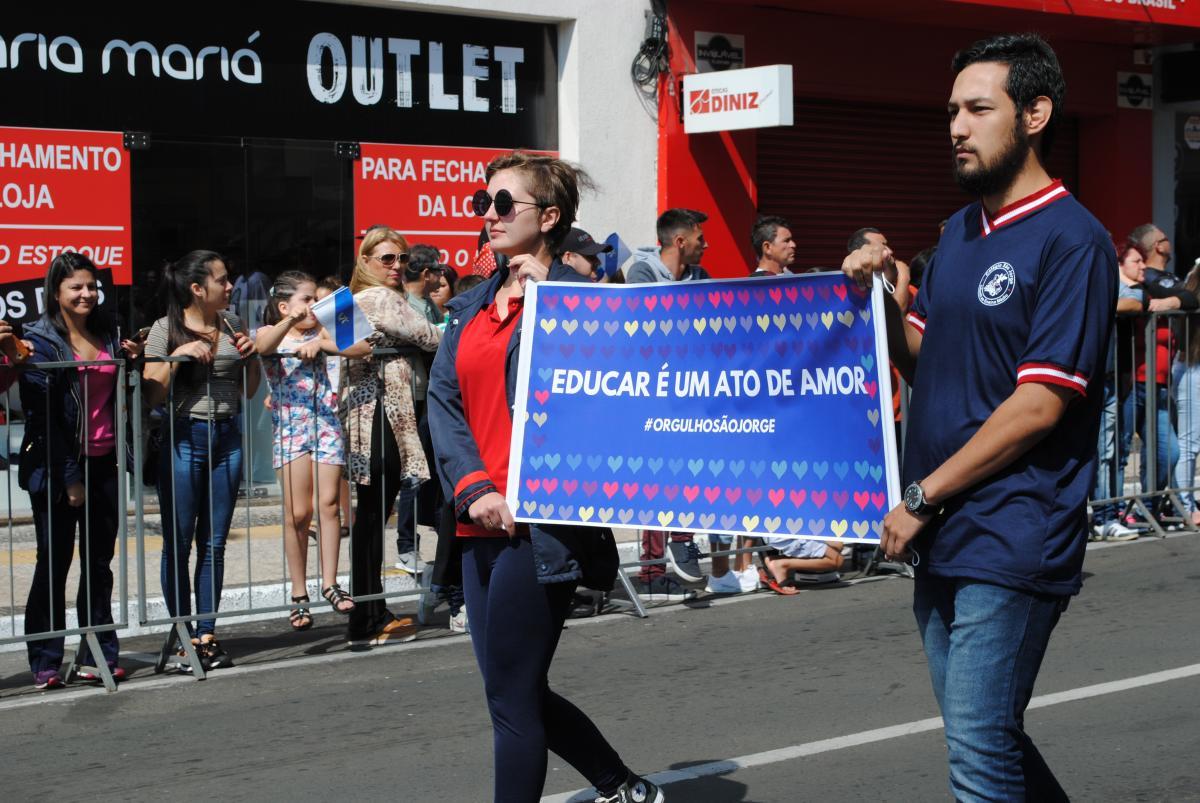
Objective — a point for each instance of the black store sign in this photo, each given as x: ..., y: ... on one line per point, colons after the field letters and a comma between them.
x: 297, y: 70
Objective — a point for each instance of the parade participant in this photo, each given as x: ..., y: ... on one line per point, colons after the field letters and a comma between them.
x: 201, y: 467
x: 773, y: 244
x: 379, y: 423
x: 1010, y: 327
x: 308, y: 437
x: 582, y: 253
x: 69, y: 465
x: 519, y: 580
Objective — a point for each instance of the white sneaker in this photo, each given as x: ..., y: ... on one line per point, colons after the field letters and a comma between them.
x: 409, y: 562
x: 458, y: 622
x: 727, y: 583
x: 748, y: 579
x: 1116, y: 531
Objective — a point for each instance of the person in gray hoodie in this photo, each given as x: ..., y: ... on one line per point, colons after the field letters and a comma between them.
x: 676, y: 259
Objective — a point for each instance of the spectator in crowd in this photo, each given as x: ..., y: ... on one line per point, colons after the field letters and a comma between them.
x: 1154, y: 245
x: 200, y: 468
x: 308, y: 437
x: 1146, y: 290
x: 793, y: 561
x: 773, y: 245
x: 900, y: 290
x: 916, y: 268
x: 421, y: 278
x: 469, y: 282
x: 518, y: 603
x: 582, y: 254
x: 379, y: 422
x: 69, y: 464
x: 1004, y: 347
x: 328, y: 285
x: 676, y: 259
x: 1187, y: 403
x: 444, y: 291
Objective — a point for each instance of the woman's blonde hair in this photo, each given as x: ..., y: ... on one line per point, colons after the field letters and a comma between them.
x: 363, y: 277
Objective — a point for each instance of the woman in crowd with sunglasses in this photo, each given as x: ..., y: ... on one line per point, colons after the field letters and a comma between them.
x: 380, y: 425
x: 517, y: 605
x: 201, y: 464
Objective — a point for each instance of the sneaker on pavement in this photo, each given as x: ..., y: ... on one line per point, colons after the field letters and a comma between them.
x: 1096, y: 533
x: 408, y: 562
x: 214, y: 655
x: 48, y: 679
x: 747, y: 579
x: 635, y: 790
x: 684, y: 558
x: 663, y: 589
x: 458, y: 622
x: 728, y: 583
x: 1116, y: 531
x: 118, y: 674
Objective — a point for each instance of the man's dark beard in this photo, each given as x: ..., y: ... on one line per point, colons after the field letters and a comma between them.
x: 995, y: 178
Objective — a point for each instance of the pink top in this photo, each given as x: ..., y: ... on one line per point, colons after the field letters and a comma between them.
x: 97, y: 384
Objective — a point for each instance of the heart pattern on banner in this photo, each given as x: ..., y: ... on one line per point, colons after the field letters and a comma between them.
x: 602, y: 460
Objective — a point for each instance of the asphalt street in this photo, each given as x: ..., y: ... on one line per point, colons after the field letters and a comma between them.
x: 821, y: 696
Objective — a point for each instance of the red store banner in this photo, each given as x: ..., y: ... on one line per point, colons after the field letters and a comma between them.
x: 1162, y: 12
x: 60, y: 191
x: 424, y: 192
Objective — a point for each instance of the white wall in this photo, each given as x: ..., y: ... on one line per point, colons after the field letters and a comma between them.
x: 602, y: 123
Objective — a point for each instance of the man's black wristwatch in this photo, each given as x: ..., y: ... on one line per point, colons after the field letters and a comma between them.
x: 914, y: 501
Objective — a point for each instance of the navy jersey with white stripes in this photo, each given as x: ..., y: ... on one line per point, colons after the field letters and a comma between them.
x: 1027, y: 296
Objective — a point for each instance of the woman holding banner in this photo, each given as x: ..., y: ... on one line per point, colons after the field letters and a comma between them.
x: 519, y: 580
x: 69, y: 464
x: 380, y: 424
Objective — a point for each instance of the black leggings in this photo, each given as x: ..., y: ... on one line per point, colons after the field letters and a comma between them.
x: 515, y: 626
x: 370, y: 518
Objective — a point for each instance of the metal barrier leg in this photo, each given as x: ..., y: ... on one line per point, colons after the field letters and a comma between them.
x: 99, y: 666
x: 178, y: 635
x: 634, y: 600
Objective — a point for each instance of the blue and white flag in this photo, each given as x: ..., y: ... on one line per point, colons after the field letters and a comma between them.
x: 342, y: 318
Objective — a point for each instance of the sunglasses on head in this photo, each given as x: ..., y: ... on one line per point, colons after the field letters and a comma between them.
x: 481, y: 202
x: 391, y: 259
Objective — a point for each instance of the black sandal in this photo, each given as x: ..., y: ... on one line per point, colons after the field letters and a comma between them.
x: 301, y: 617
x: 336, y: 596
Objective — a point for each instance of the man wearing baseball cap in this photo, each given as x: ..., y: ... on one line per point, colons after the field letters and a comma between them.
x: 581, y: 252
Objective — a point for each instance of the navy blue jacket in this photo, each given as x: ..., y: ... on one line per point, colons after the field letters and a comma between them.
x: 561, y: 553
x: 51, y: 400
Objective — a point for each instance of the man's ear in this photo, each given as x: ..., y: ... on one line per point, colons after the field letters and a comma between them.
x: 1037, y: 115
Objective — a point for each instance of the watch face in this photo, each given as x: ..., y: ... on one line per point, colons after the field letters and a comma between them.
x: 913, y: 497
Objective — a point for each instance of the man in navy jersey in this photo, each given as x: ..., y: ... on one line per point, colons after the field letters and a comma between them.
x: 1004, y: 348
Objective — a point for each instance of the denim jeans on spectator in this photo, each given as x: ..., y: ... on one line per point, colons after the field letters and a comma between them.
x: 406, y: 520
x: 1107, y: 471
x: 1187, y: 406
x: 56, y: 526
x: 198, y: 479
x: 1133, y: 419
x: 985, y: 645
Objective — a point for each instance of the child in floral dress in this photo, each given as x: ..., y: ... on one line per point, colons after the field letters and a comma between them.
x: 308, y: 436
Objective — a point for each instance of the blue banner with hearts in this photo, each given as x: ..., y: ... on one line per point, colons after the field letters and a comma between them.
x: 757, y: 406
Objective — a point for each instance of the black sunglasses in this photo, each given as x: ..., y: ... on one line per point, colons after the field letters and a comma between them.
x: 390, y: 259
x: 481, y: 202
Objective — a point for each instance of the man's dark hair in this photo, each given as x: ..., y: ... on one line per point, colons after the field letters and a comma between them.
x: 1143, y: 236
x: 859, y: 238
x: 1033, y: 71
x: 764, y: 231
x: 918, y: 264
x: 675, y: 221
x: 421, y: 257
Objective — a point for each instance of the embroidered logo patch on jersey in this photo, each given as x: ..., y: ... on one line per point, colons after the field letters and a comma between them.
x: 997, y: 284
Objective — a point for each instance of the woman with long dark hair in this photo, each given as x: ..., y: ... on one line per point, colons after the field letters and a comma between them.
x: 69, y: 464
x: 201, y: 463
x: 517, y: 605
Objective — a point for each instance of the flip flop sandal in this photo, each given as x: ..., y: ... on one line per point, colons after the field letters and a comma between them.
x: 301, y: 616
x: 337, y: 598
x: 770, y: 582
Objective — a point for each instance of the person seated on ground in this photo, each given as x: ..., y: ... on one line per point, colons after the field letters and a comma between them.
x: 800, y: 560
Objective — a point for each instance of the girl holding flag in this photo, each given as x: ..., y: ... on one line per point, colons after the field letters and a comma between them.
x: 307, y: 430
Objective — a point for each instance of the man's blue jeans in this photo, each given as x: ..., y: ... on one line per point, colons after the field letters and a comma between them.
x: 195, y: 489
x: 1109, y: 470
x: 1133, y: 419
x: 985, y: 644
